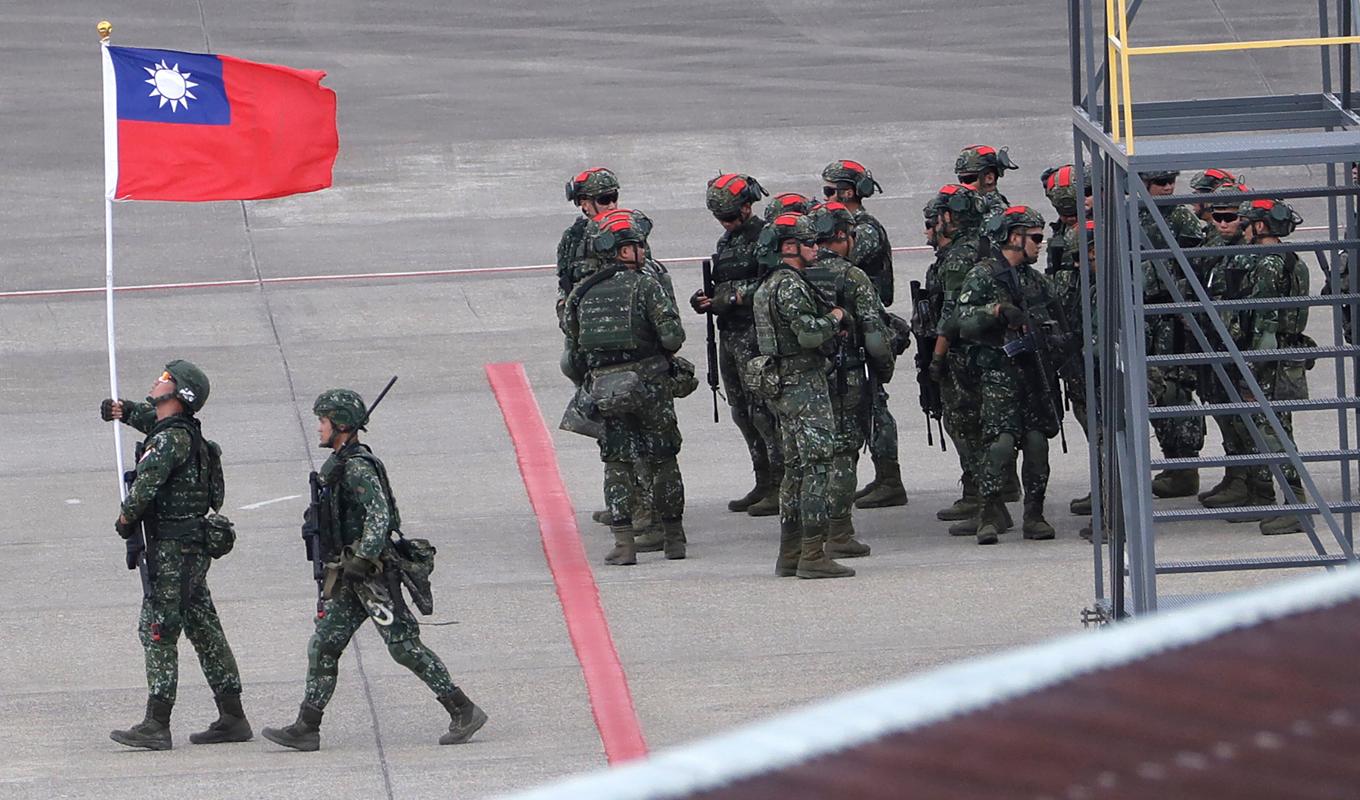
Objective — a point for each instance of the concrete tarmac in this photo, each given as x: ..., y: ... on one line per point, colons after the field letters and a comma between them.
x: 458, y: 124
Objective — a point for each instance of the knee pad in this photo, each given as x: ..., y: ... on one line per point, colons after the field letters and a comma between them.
x: 408, y: 652
x: 321, y: 658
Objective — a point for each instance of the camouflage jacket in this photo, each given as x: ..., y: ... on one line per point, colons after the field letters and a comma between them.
x: 573, y: 263
x: 872, y: 253
x: 791, y: 319
x: 169, y: 472
x: 846, y: 286
x: 736, y: 274
x: 1277, y: 275
x: 945, y: 277
x: 996, y: 203
x: 1189, y: 232
x: 620, y: 315
x: 362, y: 506
x: 991, y: 283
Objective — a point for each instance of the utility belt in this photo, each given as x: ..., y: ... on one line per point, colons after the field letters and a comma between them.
x: 737, y: 318
x: 176, y: 528
x: 649, y: 367
x: 802, y: 362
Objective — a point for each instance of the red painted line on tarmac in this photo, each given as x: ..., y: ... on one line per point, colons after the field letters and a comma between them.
x: 611, y: 702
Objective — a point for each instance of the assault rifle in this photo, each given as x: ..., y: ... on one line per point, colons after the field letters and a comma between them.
x: 1035, y: 340
x: 932, y: 404
x: 710, y: 336
x: 137, y: 544
x: 318, y: 527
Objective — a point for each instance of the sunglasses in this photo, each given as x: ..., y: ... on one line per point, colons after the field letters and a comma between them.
x: 1037, y: 238
x: 969, y: 178
x: 830, y: 191
x: 1225, y: 217
x: 606, y: 199
x: 1164, y: 182
x: 732, y: 217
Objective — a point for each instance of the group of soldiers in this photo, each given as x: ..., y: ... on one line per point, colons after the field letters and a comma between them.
x: 170, y: 521
x: 805, y: 344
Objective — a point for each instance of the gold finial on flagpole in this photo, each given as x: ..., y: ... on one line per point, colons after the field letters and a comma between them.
x: 105, y: 28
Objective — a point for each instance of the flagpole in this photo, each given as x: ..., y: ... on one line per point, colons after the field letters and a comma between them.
x: 105, y: 28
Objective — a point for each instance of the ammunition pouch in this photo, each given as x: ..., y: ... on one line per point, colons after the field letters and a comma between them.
x: 762, y: 377
x: 684, y: 377
x: 219, y: 535
x: 899, y: 333
x: 413, y: 561
x: 617, y: 392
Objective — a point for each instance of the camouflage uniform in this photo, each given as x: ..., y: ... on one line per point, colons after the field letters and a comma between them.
x: 621, y: 320
x: 170, y: 493
x: 863, y: 343
x: 735, y: 277
x: 1179, y: 437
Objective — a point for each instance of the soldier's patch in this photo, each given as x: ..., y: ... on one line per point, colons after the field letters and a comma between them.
x: 146, y: 453
x: 965, y: 296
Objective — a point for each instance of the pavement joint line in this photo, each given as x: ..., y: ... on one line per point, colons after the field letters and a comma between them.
x: 358, y: 276
x: 611, y: 702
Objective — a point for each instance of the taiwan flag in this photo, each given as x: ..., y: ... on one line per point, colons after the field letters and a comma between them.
x: 197, y: 126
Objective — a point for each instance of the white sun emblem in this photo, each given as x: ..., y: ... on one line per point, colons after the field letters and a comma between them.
x: 170, y: 85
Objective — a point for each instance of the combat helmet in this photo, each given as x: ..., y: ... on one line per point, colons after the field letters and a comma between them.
x: 1224, y: 196
x: 978, y: 158
x: 1060, y: 185
x: 591, y: 183
x: 825, y: 220
x: 853, y: 173
x: 961, y: 201
x: 788, y: 201
x: 1072, y: 241
x: 1211, y: 180
x: 191, y: 384
x: 999, y: 226
x: 728, y: 192
x: 343, y: 407
x: 1160, y: 175
x: 1279, y: 217
x: 617, y: 228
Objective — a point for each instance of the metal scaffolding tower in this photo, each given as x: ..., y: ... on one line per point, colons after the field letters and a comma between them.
x: 1320, y: 128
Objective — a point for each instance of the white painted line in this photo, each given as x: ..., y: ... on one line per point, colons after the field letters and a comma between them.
x: 72, y: 501
x: 264, y: 503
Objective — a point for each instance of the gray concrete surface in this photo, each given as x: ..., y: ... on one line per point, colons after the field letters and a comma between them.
x: 458, y: 126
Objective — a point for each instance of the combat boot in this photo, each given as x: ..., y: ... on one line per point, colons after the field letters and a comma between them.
x: 674, y: 539
x: 991, y: 522
x: 153, y: 732
x: 758, y: 492
x: 867, y: 488
x: 969, y: 526
x: 1260, y: 492
x: 1088, y: 533
x: 813, y: 561
x: 1034, y: 525
x: 1176, y: 483
x: 1080, y: 506
x: 841, y: 541
x: 230, y: 725
x: 1233, y: 493
x: 304, y: 734
x: 602, y: 517
x: 768, y: 505
x: 889, y: 491
x: 649, y: 540
x: 790, y: 549
x: 465, y: 718
x: 625, y: 550
x: 966, y: 507
x: 1010, y: 490
x: 1285, y: 523
x: 1230, y: 476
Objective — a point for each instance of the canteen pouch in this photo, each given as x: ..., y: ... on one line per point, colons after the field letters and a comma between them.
x: 219, y: 535
x: 762, y: 377
x: 616, y: 393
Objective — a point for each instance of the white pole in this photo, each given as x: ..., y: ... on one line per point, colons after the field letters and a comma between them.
x: 110, y: 184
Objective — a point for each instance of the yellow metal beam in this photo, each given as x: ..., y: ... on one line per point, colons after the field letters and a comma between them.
x: 1111, y: 78
x: 1124, y: 68
x: 1220, y: 47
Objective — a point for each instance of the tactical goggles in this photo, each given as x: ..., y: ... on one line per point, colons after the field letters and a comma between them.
x: 729, y: 217
x: 1225, y: 216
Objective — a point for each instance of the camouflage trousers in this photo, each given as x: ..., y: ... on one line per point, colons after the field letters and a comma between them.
x: 883, y: 444
x: 344, y: 614
x: 849, y: 410
x: 180, y: 601
x: 1281, y: 380
x: 1179, y: 437
x: 754, y: 417
x: 809, y: 438
x: 640, y: 447
x: 1013, y: 417
x: 961, y: 406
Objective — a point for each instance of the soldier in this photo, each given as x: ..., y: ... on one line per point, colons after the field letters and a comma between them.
x: 179, y: 480
x: 1060, y: 188
x: 956, y: 211
x: 849, y: 183
x: 1066, y: 283
x: 793, y: 329
x: 594, y: 191
x: 622, y: 329
x: 980, y: 167
x: 1275, y: 275
x: 786, y: 203
x: 1179, y: 437
x: 1006, y: 307
x: 1208, y: 181
x: 363, y: 580
x: 730, y: 198
x: 1339, y: 273
x: 863, y: 341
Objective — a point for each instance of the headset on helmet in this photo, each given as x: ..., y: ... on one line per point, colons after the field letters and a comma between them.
x: 828, y: 219
x: 1061, y: 190
x: 783, y: 227
x: 591, y: 183
x: 786, y: 202
x: 616, y: 228
x: 191, y: 384
x: 730, y: 191
x: 1279, y: 217
x: 999, y: 226
x: 853, y: 173
x: 978, y: 158
x: 961, y: 201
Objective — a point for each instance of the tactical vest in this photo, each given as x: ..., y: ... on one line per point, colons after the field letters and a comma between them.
x: 773, y: 336
x: 185, y: 497
x: 1291, y: 322
x: 347, y: 512
x: 610, y: 318
x: 880, y: 267
x: 569, y: 251
x: 735, y: 259
x: 1057, y: 247
x: 829, y: 275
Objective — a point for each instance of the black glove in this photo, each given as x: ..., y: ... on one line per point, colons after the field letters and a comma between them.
x: 1012, y: 314
x: 695, y: 301
x: 938, y: 367
x: 106, y: 410
x: 134, y: 552
x: 125, y: 530
x: 357, y: 568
